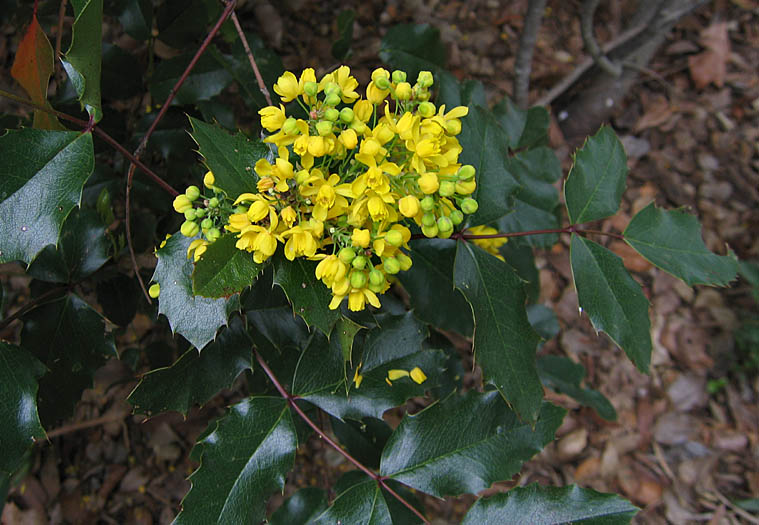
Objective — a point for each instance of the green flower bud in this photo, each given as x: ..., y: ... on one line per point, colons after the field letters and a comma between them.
x: 213, y: 234
x: 332, y: 100
x: 425, y: 79
x: 399, y: 76
x: 426, y: 109
x: 376, y: 278
x: 358, y: 279
x: 428, y: 203
x: 428, y: 219
x: 447, y: 188
x: 189, y: 214
x: 331, y: 114
x: 200, y: 213
x: 311, y: 88
x: 206, y: 224
x: 358, y: 126
x: 154, y: 291
x: 181, y: 203
x: 394, y: 238
x: 346, y: 255
x: 290, y: 127
x: 444, y: 234
x: 346, y: 115
x: 382, y: 83
x: 430, y: 231
x: 403, y: 91
x: 422, y: 96
x: 359, y: 263
x: 332, y: 88
x: 404, y: 260
x: 466, y: 172
x: 213, y: 202
x: 189, y: 228
x: 453, y: 127
x: 192, y: 192
x: 469, y: 205
x: 324, y: 128
x: 241, y: 209
x: 391, y: 265
x: 456, y: 217
x: 444, y: 224
x: 376, y: 288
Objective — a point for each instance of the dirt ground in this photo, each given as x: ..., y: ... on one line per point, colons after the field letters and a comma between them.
x: 685, y: 446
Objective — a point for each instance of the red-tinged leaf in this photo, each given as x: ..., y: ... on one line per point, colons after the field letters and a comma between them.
x: 32, y: 68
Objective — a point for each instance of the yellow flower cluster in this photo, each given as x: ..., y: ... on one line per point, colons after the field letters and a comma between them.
x: 349, y: 172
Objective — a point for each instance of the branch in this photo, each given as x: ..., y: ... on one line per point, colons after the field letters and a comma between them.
x: 291, y: 400
x: 501, y: 235
x: 587, y: 10
x: 31, y: 305
x: 259, y: 78
x: 523, y: 63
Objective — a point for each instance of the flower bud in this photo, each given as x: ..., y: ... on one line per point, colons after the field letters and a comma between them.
x: 391, y: 265
x: 182, y: 203
x: 208, y: 179
x: 361, y: 238
x: 213, y: 202
x: 332, y: 100
x: 154, y: 291
x: 189, y: 214
x: 346, y: 255
x: 359, y: 263
x: 189, y: 228
x: 456, y: 217
x: 358, y: 279
x: 408, y: 206
x: 290, y: 127
x: 466, y: 187
x: 213, y: 234
x: 404, y: 260
x: 453, y: 127
x: 332, y: 88
x: 382, y: 82
x: 428, y: 219
x: 331, y: 114
x: 376, y: 277
x: 424, y: 79
x: 377, y: 288
x: 426, y: 109
x: 444, y: 224
x: 346, y: 115
x: 403, y: 91
x: 428, y: 203
x: 324, y: 128
x: 311, y: 88
x: 430, y: 231
x: 466, y: 172
x: 469, y: 206
x: 206, y: 224
x: 358, y: 126
x: 428, y: 183
x: 192, y: 192
x: 399, y: 76
x: 200, y: 213
x: 394, y: 238
x: 447, y: 188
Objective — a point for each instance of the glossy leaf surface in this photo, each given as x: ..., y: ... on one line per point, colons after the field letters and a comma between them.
x: 83, y: 59
x: 413, y: 48
x: 301, y: 508
x: 223, y: 270
x: 565, y: 376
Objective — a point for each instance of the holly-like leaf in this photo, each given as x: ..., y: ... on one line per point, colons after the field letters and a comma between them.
x: 396, y: 337
x: 597, y: 179
x: 464, y: 444
x: 206, y: 80
x: 671, y: 239
x: 244, y: 460
x: 361, y: 504
x: 19, y: 422
x: 183, y: 22
x: 68, y: 336
x: 504, y: 341
x: 83, y: 248
x: 32, y: 68
x: 363, y: 439
x: 45, y: 172
x: 543, y: 321
x: 136, y: 17
x: 302, y: 508
x: 196, y: 376
x: 565, y: 376
x: 484, y: 144
x: 83, y: 59
x: 524, y: 128
x: 309, y: 296
x: 413, y: 48
x: 538, y: 505
x: 196, y: 318
x: 231, y: 158
x: 346, y: 330
x: 429, y: 283
x: 224, y: 270
x: 612, y: 299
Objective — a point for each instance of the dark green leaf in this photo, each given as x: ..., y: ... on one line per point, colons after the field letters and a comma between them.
x: 524, y: 128
x: 230, y: 158
x: 612, y: 299
x: 361, y: 504
x: 536, y: 170
x: 44, y: 175
x: 224, y: 270
x: 122, y: 73
x: 196, y: 376
x: 504, y: 341
x: 345, y: 330
x: 19, y: 422
x: 183, y: 22
x: 244, y: 460
x: 671, y: 239
x: 526, y: 217
x: 310, y: 298
x: 538, y: 505
x: 136, y: 17
x: 413, y: 48
x: 301, y: 508
x: 363, y: 439
x: 597, y: 179
x: 207, y: 79
x: 83, y: 248
x: 453, y: 93
x: 522, y: 259
x: 749, y: 270
x: 429, y: 283
x: 341, y: 49
x: 484, y: 144
x: 751, y: 505
x: 543, y: 321
x: 564, y: 376
x: 119, y: 297
x: 68, y: 336
x: 83, y: 59
x: 396, y: 337
x: 464, y: 444
x: 196, y: 318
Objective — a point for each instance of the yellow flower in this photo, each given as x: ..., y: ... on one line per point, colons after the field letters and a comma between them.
x: 300, y: 242
x: 361, y: 238
x: 281, y: 171
x: 208, y: 179
x: 272, y: 118
x: 287, y: 87
x: 347, y: 83
x: 489, y: 245
x: 357, y: 378
x: 348, y: 138
x: 182, y: 203
x: 363, y: 110
x: 197, y: 248
x: 409, y: 206
x: 394, y: 375
x: 331, y: 269
x: 288, y: 215
x: 358, y: 298
x: 428, y: 183
x: 418, y: 375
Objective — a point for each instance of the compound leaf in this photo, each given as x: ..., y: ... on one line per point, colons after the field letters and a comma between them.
x: 464, y: 444
x: 612, y: 299
x: 244, y: 460
x: 671, y: 239
x: 223, y: 270
x: 44, y: 173
x: 504, y: 341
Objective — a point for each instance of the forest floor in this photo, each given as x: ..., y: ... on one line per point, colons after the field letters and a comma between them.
x: 685, y: 446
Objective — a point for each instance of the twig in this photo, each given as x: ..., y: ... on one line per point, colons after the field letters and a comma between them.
x: 73, y: 427
x: 291, y: 400
x: 251, y: 59
x: 523, y: 63
x: 742, y: 513
x: 568, y: 229
x: 143, y: 143
x: 587, y: 9
x: 31, y: 305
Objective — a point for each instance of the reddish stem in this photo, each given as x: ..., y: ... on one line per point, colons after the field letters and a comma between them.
x: 251, y: 59
x: 291, y: 400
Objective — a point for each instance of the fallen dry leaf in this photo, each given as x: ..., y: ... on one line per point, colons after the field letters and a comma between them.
x: 710, y: 66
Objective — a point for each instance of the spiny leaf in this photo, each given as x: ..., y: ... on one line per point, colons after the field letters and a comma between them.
x: 413, y: 48
x: 302, y: 508
x: 223, y: 270
x: 206, y: 80
x: 671, y: 239
x: 83, y: 59
x: 524, y: 128
x: 564, y: 376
